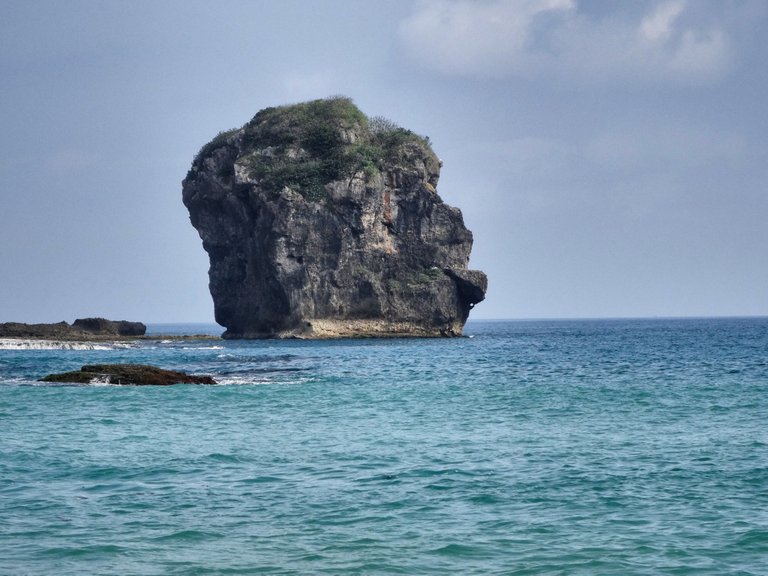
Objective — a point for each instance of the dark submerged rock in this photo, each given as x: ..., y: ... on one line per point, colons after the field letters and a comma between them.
x: 128, y: 374
x: 320, y: 222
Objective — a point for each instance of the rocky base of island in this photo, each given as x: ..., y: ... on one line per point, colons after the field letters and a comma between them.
x: 127, y: 374
x: 331, y: 329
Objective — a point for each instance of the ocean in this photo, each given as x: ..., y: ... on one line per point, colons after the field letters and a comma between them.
x: 528, y: 447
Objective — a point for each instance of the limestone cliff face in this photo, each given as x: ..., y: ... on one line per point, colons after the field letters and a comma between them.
x: 320, y: 222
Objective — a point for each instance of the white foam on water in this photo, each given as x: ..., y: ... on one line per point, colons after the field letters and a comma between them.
x: 251, y: 380
x: 18, y: 344
x: 203, y: 348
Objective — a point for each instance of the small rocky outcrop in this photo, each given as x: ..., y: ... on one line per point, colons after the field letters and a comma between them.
x: 320, y: 222
x: 105, y: 327
x: 127, y: 374
x: 82, y: 328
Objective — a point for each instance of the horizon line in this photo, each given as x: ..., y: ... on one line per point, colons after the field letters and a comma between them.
x: 558, y: 318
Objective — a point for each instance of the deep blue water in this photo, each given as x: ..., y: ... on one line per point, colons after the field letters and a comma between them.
x: 569, y: 447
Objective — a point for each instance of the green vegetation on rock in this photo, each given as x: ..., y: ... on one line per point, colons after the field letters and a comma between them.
x: 218, y: 141
x: 427, y: 276
x: 308, y: 145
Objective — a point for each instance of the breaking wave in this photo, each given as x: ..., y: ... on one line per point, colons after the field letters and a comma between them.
x: 17, y: 344
x: 256, y: 380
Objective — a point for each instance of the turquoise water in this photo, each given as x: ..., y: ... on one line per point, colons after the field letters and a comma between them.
x: 590, y: 447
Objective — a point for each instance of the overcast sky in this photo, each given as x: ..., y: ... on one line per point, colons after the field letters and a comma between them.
x: 610, y: 157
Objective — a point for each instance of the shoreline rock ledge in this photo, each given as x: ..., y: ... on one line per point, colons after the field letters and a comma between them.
x: 320, y: 222
x: 80, y: 329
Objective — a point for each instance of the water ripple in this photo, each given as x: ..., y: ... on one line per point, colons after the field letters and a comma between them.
x: 533, y: 448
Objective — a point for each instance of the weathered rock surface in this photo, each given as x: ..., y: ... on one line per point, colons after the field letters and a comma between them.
x: 320, y: 222
x: 128, y: 374
x: 107, y: 327
x: 82, y: 328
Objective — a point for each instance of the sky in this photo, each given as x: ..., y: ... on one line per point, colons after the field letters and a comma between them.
x: 611, y: 158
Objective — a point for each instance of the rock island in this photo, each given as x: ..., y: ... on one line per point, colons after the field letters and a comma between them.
x: 320, y: 222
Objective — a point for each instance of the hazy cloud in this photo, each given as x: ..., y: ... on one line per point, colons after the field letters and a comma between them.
x: 465, y: 37
x: 658, y: 26
x: 298, y: 86
x: 499, y: 38
x: 71, y: 160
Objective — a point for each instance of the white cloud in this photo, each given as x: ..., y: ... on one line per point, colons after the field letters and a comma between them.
x: 467, y: 37
x: 498, y: 38
x: 658, y: 25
